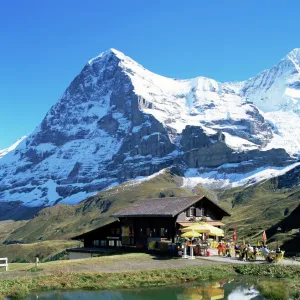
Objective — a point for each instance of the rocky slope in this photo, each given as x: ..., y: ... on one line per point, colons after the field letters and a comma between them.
x: 118, y: 121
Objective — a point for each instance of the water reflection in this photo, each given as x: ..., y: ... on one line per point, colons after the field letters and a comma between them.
x: 209, y: 292
x: 230, y: 290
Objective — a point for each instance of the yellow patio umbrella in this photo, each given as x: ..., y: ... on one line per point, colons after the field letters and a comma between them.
x: 216, y: 234
x: 205, y: 228
x: 215, y: 231
x: 199, y: 227
x: 190, y: 234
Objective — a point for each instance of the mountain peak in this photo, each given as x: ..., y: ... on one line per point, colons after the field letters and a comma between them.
x: 106, y: 54
x: 294, y: 56
x: 295, y: 51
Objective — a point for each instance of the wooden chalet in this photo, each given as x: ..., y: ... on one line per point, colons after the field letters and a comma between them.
x: 146, y: 220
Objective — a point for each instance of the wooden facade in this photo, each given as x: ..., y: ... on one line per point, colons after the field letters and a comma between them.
x: 153, y: 219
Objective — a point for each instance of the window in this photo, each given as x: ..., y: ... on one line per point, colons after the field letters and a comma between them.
x: 96, y: 242
x: 148, y: 231
x: 119, y: 244
x: 199, y: 212
x: 111, y: 243
x: 103, y: 243
x: 112, y: 230
x: 192, y: 211
x: 162, y: 232
x: 118, y: 231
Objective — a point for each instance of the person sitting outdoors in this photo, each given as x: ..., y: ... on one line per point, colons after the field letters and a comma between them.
x: 250, y: 248
x: 238, y: 250
x: 250, y: 251
x: 265, y: 251
x: 244, y: 252
x: 228, y: 250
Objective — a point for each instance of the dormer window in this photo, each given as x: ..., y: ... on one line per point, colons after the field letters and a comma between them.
x: 191, y: 212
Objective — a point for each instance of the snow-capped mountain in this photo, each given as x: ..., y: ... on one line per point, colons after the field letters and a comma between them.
x: 12, y: 147
x: 118, y: 121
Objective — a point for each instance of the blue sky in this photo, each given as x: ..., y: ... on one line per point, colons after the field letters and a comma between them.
x: 45, y: 44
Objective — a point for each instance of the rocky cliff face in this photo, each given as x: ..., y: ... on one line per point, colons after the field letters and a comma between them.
x: 118, y: 121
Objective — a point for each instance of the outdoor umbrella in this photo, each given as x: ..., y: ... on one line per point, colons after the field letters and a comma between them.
x: 199, y: 227
x: 190, y: 234
x: 205, y: 228
x: 215, y: 231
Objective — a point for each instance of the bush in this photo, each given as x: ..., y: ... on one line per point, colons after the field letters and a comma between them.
x: 274, y: 290
x: 35, y: 269
x: 20, y: 260
x: 269, y: 270
x: 19, y: 292
x: 59, y: 256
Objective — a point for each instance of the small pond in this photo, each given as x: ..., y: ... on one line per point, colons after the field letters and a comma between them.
x: 208, y: 290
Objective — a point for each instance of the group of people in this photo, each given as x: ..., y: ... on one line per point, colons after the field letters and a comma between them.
x: 225, y: 249
x: 246, y: 251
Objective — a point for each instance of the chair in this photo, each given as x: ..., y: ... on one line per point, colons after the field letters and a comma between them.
x: 282, y: 255
x: 152, y: 246
x: 271, y: 257
x: 279, y: 256
x: 264, y: 256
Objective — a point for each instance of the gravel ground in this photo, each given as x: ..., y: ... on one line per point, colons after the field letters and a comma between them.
x: 146, y: 262
x: 121, y: 264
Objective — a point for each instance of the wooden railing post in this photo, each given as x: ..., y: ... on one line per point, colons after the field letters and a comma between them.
x: 5, y: 263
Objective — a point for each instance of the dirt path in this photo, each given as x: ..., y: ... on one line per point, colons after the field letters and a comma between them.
x: 110, y: 264
x: 219, y: 259
x: 118, y: 263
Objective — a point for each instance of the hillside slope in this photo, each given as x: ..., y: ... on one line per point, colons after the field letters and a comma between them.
x: 64, y: 221
x: 268, y: 205
x: 258, y: 207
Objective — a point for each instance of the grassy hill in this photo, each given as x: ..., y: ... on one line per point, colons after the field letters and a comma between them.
x: 263, y: 206
x: 266, y: 206
x: 47, y: 250
x: 64, y: 221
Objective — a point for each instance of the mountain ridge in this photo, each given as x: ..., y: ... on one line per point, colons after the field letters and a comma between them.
x: 12, y: 147
x: 118, y: 121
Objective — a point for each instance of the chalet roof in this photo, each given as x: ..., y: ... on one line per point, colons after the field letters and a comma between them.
x: 164, y: 207
x: 161, y: 207
x: 81, y: 236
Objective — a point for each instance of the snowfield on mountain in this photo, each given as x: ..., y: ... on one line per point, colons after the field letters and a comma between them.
x: 117, y: 121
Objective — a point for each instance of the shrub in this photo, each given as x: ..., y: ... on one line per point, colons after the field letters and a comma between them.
x: 20, y: 260
x: 19, y: 292
x: 274, y: 290
x: 35, y: 269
